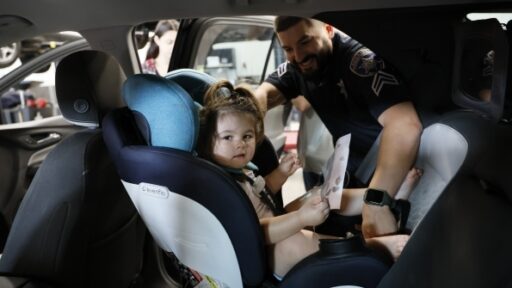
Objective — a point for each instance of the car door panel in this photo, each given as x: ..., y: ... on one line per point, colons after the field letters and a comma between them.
x: 23, y: 147
x: 26, y: 138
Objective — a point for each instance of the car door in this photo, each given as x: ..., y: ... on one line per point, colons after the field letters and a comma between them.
x: 30, y: 126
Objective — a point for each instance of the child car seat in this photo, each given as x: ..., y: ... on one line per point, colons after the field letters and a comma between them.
x: 194, y: 208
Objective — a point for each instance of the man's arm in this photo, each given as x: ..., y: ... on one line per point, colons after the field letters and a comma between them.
x: 398, y: 147
x: 397, y: 152
x: 301, y: 103
x: 268, y: 96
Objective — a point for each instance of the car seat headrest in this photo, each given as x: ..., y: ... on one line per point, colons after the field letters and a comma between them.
x: 194, y: 82
x: 88, y: 85
x: 169, y: 114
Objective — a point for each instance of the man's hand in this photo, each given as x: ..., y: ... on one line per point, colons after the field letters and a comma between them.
x: 378, y: 221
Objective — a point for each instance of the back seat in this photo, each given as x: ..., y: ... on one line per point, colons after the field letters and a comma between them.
x: 462, y: 240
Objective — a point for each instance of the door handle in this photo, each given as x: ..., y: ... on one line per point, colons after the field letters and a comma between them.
x: 41, y: 139
x: 52, y: 137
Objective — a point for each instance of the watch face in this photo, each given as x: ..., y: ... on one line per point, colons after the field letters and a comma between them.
x: 374, y: 196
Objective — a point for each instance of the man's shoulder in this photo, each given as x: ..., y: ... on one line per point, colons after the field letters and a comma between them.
x: 343, y: 42
x: 286, y: 68
x: 285, y: 73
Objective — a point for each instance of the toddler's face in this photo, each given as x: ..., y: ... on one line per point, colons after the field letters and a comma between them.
x: 235, y: 142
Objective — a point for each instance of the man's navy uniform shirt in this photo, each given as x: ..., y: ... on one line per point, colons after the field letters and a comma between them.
x: 353, y: 90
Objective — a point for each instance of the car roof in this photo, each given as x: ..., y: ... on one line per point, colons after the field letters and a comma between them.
x: 22, y: 19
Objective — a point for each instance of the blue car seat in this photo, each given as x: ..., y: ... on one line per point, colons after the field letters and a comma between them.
x: 194, y: 209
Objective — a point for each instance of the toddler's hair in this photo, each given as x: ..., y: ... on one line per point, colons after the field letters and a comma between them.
x: 221, y: 99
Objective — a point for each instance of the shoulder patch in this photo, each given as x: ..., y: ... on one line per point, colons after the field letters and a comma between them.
x: 382, y: 78
x: 282, y: 69
x: 365, y: 63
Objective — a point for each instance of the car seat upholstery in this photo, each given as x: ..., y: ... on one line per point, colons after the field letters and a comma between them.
x: 440, y: 163
x: 76, y: 227
x: 196, y: 84
x: 194, y: 209
x: 462, y: 241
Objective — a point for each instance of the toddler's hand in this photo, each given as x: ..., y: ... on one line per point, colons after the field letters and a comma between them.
x: 289, y: 164
x: 314, y: 211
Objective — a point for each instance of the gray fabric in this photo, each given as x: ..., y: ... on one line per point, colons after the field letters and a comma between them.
x: 441, y: 153
x: 369, y: 163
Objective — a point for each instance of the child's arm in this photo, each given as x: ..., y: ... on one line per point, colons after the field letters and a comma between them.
x: 313, y: 212
x: 289, y: 164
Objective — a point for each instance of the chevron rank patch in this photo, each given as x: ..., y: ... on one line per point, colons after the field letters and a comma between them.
x: 382, y: 78
x: 281, y: 69
x: 365, y: 63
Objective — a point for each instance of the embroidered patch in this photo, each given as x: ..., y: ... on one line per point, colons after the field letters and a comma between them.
x: 365, y: 63
x: 382, y: 78
x: 281, y: 69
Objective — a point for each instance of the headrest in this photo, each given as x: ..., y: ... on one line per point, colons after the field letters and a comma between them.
x: 167, y: 110
x: 88, y: 85
x: 194, y: 82
x: 480, y: 67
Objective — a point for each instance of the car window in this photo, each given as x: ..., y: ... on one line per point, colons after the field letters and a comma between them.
x: 155, y: 43
x: 236, y: 52
x: 32, y: 96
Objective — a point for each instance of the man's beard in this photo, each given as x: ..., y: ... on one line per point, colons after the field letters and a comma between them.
x: 321, y: 58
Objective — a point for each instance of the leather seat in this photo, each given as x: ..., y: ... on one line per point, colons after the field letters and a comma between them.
x: 463, y: 239
x: 76, y: 226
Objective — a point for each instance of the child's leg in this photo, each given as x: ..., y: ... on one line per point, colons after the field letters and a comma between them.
x: 287, y: 253
x: 391, y: 245
x: 410, y: 181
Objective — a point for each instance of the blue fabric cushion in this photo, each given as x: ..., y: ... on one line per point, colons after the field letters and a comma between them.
x: 169, y: 110
x: 194, y: 82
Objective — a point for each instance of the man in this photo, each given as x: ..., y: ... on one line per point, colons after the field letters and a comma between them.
x: 353, y: 91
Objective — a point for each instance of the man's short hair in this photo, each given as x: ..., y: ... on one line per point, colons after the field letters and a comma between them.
x: 282, y: 23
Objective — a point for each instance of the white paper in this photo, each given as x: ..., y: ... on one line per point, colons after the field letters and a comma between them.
x: 332, y: 188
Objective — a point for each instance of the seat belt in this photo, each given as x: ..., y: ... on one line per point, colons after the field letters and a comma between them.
x: 369, y: 163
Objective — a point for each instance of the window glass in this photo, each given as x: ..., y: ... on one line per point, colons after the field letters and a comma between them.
x: 33, y: 95
x: 236, y: 52
x: 477, y: 60
x: 501, y: 17
x: 155, y: 43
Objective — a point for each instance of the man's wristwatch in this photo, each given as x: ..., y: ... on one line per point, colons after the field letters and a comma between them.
x: 378, y: 197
